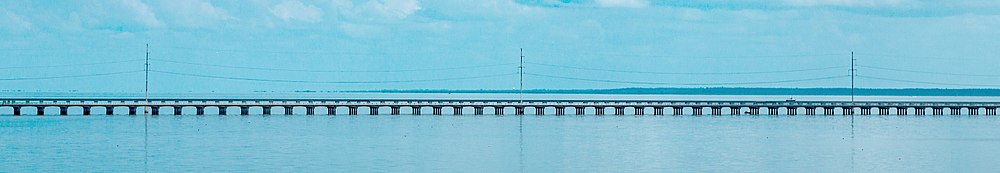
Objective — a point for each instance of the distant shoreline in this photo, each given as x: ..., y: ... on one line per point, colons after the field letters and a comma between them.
x: 727, y: 91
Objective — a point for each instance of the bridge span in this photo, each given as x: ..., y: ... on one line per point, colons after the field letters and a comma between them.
x: 498, y: 106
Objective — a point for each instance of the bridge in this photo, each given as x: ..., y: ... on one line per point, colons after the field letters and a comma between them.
x: 498, y: 106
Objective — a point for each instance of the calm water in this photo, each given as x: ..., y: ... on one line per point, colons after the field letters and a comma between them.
x: 429, y: 143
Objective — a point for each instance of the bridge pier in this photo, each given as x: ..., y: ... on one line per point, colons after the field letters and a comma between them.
x: 847, y: 111
x: 415, y: 110
x: 177, y: 110
x: 395, y: 110
x: 991, y: 111
x: 734, y: 110
x: 132, y: 110
x: 754, y: 111
x: 902, y: 111
x: 772, y: 111
x: 154, y: 110
x: 86, y: 110
x: 696, y: 110
x: 810, y: 111
x: 539, y: 110
x: 639, y: 110
x: 63, y: 110
x: 919, y: 111
x: 331, y: 110
x: 437, y: 110
x: 373, y: 110
x: 351, y: 110
x: 955, y: 111
x: 883, y: 111
x: 457, y: 110
x: 288, y: 110
x: 310, y: 110
x: 938, y: 111
x: 657, y: 110
x: 40, y: 110
x: 497, y: 110
x: 792, y: 110
x: 973, y: 111
x: 866, y: 111
x: 599, y: 110
x: 828, y: 111
x: 266, y: 110
x: 17, y: 111
x: 678, y: 110
x: 519, y: 110
x: 716, y: 111
x: 619, y: 111
x: 222, y: 110
x: 244, y: 110
x: 109, y: 110
x: 560, y: 111
x: 199, y: 110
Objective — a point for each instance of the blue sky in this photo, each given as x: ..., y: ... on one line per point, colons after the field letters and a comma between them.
x: 320, y: 44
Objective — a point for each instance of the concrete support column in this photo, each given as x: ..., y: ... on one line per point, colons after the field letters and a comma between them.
x: 395, y: 110
x: 828, y: 111
x: 222, y: 110
x: 497, y: 110
x: 734, y: 111
x: 519, y: 110
x: 40, y: 110
x: 539, y: 110
x: 86, y: 110
x: 937, y: 111
x: 63, y: 110
x: 902, y: 111
x: 154, y: 110
x: 373, y: 110
x: 619, y: 111
x: 678, y: 110
x: 657, y: 110
x: 991, y: 111
x: 599, y: 110
x: 919, y: 111
x: 866, y: 111
x: 17, y: 110
x: 244, y: 110
x: 696, y: 110
x: 457, y: 110
x: 131, y: 110
x: 639, y: 110
x: 177, y: 110
x: 810, y: 111
x: 956, y: 111
x: 310, y: 110
x: 415, y: 110
x: 716, y: 111
x: 560, y: 111
x: 973, y: 111
x: 266, y: 110
x: 883, y: 111
x: 331, y: 110
x: 288, y: 110
x: 351, y: 110
x: 199, y: 110
x: 109, y: 110
x: 437, y: 110
x: 772, y: 111
x: 754, y: 110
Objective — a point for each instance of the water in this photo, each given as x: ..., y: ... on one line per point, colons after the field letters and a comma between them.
x: 489, y: 143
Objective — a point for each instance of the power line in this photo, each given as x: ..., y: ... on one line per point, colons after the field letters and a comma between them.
x: 687, y: 73
x: 331, y: 82
x: 69, y: 76
x: 932, y: 83
x: 927, y: 72
x: 688, y: 84
x: 334, y: 71
x: 72, y: 65
x: 709, y: 57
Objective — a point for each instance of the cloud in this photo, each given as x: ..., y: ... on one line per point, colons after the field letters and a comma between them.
x: 377, y: 9
x: 142, y: 12
x: 623, y: 3
x: 193, y: 13
x: 294, y: 10
x: 14, y: 22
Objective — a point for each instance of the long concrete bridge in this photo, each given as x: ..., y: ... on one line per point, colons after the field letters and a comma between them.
x: 498, y: 107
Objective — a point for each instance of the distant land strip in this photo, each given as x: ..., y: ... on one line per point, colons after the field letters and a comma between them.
x: 729, y: 91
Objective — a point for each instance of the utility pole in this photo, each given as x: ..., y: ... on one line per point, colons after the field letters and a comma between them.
x: 520, y: 71
x: 854, y: 70
x: 146, y: 111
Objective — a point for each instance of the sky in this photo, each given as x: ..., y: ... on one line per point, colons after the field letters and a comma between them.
x: 336, y: 45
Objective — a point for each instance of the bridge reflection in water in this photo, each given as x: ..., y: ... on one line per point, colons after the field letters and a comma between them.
x: 559, y: 107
